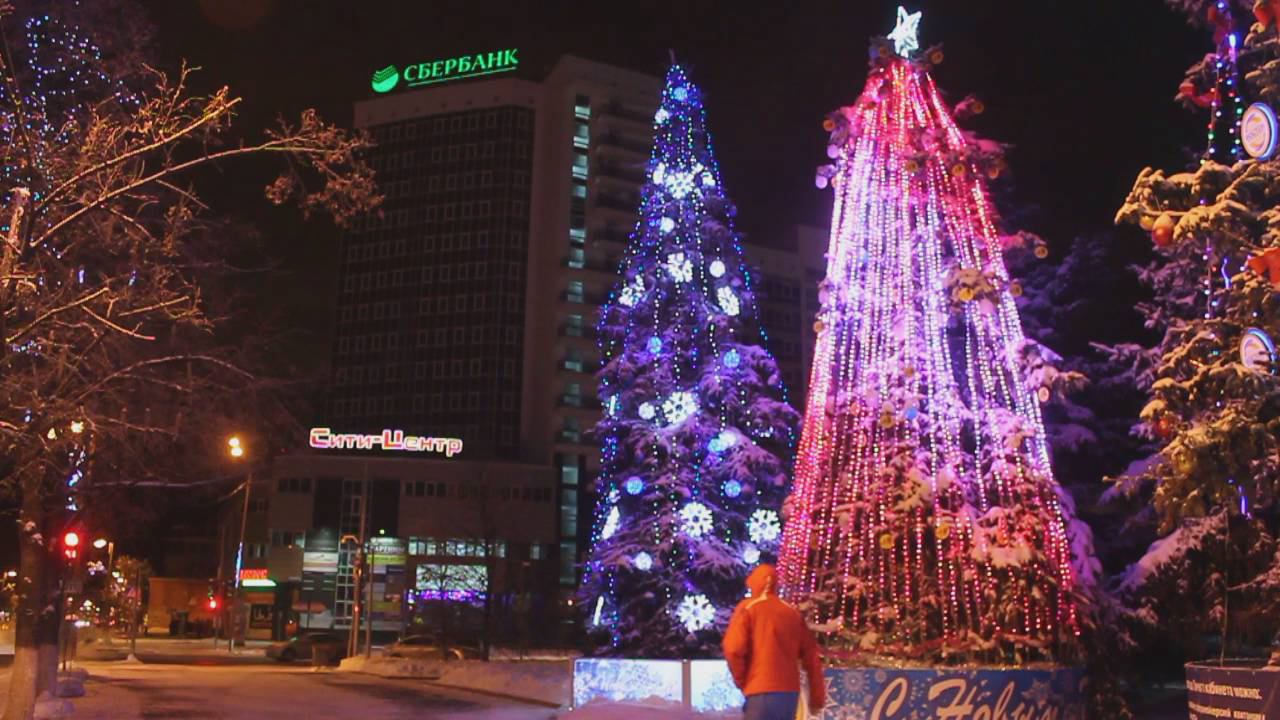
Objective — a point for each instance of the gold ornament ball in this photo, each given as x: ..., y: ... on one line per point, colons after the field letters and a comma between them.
x: 886, y: 541
x: 1042, y: 252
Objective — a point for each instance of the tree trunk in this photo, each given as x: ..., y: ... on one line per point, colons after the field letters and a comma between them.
x: 31, y: 611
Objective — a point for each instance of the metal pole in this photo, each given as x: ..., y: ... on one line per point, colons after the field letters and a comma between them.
x: 368, y: 619
x: 244, y: 521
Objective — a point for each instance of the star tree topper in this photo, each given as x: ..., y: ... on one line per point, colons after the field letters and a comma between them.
x: 904, y: 34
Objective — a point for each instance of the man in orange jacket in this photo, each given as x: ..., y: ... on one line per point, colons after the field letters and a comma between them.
x: 765, y: 645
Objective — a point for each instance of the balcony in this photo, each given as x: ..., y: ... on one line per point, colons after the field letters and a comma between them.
x: 636, y: 118
x: 579, y: 365
x: 623, y: 142
x: 584, y: 402
x: 607, y: 266
x: 632, y: 173
x: 577, y: 331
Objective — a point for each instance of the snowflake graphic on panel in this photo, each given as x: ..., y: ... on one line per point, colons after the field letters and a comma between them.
x: 763, y: 527
x: 728, y: 301
x: 680, y: 268
x: 695, y: 612
x: 695, y: 519
x: 679, y: 407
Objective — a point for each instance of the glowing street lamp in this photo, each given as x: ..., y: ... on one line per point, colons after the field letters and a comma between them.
x: 100, y: 543
x: 234, y: 447
x: 77, y: 426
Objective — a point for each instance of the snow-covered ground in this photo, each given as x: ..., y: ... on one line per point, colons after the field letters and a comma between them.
x: 132, y: 691
x: 546, y: 681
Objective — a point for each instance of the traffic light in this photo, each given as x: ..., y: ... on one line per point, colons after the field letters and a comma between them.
x: 71, y: 545
x: 213, y: 603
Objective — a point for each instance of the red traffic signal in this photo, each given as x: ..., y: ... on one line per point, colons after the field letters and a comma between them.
x: 213, y: 603
x: 70, y: 545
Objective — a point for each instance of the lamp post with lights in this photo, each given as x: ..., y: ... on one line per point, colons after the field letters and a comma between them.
x: 235, y: 448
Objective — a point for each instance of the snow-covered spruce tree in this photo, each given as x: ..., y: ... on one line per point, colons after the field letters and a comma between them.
x: 1214, y: 409
x: 109, y: 262
x: 697, y: 435
x: 925, y: 524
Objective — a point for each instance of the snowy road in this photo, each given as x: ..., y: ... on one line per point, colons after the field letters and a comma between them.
x: 128, y: 691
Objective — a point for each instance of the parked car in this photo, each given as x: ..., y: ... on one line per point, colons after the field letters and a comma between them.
x: 427, y: 647
x: 303, y: 646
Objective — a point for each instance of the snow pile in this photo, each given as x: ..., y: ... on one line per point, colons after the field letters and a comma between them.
x: 541, y: 681
x: 653, y: 709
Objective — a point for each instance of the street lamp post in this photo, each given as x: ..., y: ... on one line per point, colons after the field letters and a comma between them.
x: 236, y: 449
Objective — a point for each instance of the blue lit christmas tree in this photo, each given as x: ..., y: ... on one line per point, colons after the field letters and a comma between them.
x: 697, y: 435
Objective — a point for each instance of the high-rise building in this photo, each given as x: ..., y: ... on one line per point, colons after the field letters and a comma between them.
x: 787, y: 278
x: 467, y: 310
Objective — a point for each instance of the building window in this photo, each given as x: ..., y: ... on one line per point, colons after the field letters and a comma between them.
x: 294, y: 485
x: 575, y: 293
x: 582, y: 107
x: 288, y: 538
x: 258, y: 505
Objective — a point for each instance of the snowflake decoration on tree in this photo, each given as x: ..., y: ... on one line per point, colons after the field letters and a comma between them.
x: 682, y: 182
x: 634, y: 485
x: 611, y: 523
x: 666, y: 225
x: 763, y: 527
x: 716, y: 268
x: 680, y: 268
x: 659, y: 173
x: 661, y: 116
x: 750, y: 554
x: 643, y: 561
x: 679, y: 407
x: 632, y: 293
x: 695, y: 612
x: 728, y: 301
x: 646, y: 411
x: 695, y: 519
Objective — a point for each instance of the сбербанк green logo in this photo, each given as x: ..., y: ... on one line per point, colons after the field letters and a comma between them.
x: 385, y: 79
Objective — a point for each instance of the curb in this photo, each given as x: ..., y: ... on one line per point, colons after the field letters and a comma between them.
x: 464, y: 688
x: 492, y: 693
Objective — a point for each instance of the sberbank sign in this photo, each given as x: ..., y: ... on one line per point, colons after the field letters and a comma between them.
x: 438, y: 71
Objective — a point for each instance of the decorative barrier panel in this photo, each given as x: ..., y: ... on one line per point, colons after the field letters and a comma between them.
x: 1245, y: 692
x: 953, y: 694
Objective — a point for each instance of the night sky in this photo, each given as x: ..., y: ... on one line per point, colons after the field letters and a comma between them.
x: 1082, y: 90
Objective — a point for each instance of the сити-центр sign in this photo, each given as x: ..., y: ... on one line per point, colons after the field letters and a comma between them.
x: 322, y: 438
x: 437, y: 71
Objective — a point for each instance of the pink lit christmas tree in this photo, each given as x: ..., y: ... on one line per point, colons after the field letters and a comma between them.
x: 925, y: 523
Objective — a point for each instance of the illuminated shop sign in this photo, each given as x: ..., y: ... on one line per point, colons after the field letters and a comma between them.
x: 322, y: 438
x: 438, y: 71
x: 255, y: 577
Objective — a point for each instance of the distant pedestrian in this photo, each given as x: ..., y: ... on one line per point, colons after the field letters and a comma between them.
x: 765, y: 646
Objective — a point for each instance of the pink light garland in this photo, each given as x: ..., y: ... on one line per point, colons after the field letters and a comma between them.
x: 924, y: 513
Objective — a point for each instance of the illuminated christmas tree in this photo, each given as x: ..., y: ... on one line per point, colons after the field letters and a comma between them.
x: 925, y: 522
x: 697, y: 435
